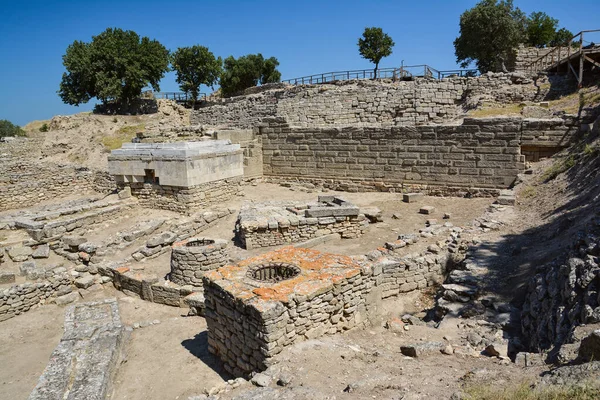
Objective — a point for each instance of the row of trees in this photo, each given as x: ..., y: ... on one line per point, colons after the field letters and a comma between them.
x: 7, y: 128
x: 116, y: 65
x: 490, y: 31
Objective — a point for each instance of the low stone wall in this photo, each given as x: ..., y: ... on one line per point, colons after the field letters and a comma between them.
x: 26, y: 183
x: 418, y: 102
x: 21, y: 298
x: 250, y: 321
x: 192, y: 258
x: 185, y: 200
x: 274, y: 223
x: 564, y: 295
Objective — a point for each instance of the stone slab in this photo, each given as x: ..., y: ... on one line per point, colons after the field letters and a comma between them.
x: 427, y: 210
x: 412, y: 197
x: 84, y: 362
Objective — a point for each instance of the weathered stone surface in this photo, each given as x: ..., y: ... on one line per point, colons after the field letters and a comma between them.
x: 83, y: 363
x: 165, y: 238
x: 84, y: 282
x: 19, y: 253
x: 412, y: 197
x: 42, y: 251
x: 7, y: 277
x: 427, y: 210
x: 590, y: 347
x: 422, y: 349
x: 67, y: 298
x: 73, y: 241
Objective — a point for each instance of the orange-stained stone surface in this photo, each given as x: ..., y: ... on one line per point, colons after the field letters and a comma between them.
x: 319, y: 272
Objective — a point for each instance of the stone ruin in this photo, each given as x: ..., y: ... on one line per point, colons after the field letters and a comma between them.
x: 192, y: 258
x: 256, y: 308
x: 178, y: 176
x: 275, y: 223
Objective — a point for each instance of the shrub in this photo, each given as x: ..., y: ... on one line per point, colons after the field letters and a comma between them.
x: 44, y: 128
x: 7, y: 128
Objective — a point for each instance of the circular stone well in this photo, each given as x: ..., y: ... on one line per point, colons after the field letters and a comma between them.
x: 193, y: 257
x: 273, y: 272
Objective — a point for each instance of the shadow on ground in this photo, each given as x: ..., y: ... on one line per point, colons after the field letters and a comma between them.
x: 198, y: 347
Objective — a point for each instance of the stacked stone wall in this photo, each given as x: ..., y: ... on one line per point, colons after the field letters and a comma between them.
x: 247, y: 334
x: 189, y: 263
x: 299, y: 229
x: 527, y: 55
x: 418, y: 102
x: 185, y: 200
x: 26, y: 183
x: 21, y: 298
x: 565, y: 294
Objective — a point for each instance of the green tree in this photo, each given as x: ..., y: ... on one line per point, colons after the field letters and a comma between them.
x: 7, y: 128
x: 248, y: 71
x: 540, y: 29
x: 561, y: 37
x: 196, y: 66
x: 374, y: 45
x: 115, y: 66
x: 489, y: 33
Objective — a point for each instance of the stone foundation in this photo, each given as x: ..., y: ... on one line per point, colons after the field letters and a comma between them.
x: 276, y: 223
x: 256, y: 308
x: 192, y: 258
x: 182, y: 199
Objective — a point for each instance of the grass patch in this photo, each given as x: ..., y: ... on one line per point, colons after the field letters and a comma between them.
x: 591, y: 151
x: 525, y: 391
x: 123, y: 135
x: 513, y: 109
x: 528, y: 192
x: 557, y: 168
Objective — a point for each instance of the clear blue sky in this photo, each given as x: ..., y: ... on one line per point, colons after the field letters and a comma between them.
x: 307, y: 36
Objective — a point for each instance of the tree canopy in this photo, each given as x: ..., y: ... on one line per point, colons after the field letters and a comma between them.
x: 248, y: 71
x: 489, y: 33
x: 492, y: 30
x: 115, y: 66
x: 374, y: 45
x: 7, y: 128
x: 196, y: 66
x: 540, y: 29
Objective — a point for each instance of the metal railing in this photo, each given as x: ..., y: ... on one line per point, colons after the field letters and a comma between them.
x: 182, y: 97
x: 561, y: 54
x: 404, y: 72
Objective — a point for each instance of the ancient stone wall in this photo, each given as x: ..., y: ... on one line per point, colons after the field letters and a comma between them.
x: 527, y: 55
x: 22, y: 297
x: 481, y: 153
x: 247, y: 328
x: 26, y: 183
x: 564, y: 295
x: 418, y: 102
x: 185, y: 200
x: 191, y: 258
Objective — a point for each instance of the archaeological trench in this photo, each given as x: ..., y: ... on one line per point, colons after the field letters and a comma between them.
x: 269, y: 287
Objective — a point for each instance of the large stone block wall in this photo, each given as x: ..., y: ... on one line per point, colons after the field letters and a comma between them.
x: 185, y: 200
x: 480, y: 153
x: 418, y: 102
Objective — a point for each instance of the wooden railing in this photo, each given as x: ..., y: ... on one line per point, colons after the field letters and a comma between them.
x: 560, y: 54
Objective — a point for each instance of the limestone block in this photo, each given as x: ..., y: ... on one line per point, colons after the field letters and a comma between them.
x: 20, y: 253
x: 412, y: 197
x: 427, y: 210
x: 42, y: 251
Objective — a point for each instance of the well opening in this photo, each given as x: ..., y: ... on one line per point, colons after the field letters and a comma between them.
x: 199, y: 242
x: 273, y: 272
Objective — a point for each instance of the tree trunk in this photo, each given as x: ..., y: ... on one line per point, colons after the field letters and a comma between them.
x: 375, y: 72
